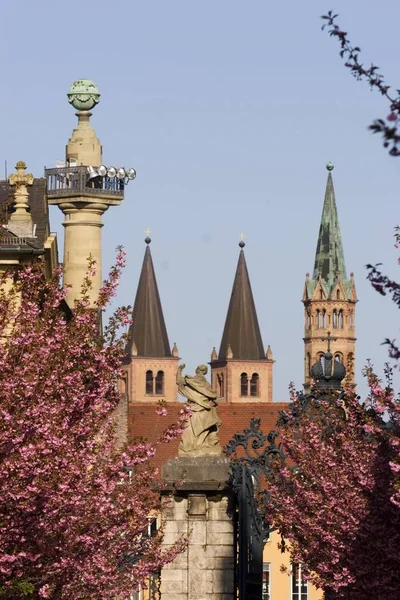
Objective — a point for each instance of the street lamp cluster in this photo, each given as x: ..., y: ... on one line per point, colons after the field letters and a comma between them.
x: 111, y: 173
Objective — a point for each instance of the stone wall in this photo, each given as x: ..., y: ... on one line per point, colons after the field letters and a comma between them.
x: 202, y: 509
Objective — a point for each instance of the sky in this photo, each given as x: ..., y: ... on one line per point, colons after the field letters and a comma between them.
x: 229, y: 112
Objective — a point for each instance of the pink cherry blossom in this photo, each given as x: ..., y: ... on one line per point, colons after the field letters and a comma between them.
x: 74, y: 507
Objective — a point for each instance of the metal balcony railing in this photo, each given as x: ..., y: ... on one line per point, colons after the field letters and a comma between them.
x: 73, y: 181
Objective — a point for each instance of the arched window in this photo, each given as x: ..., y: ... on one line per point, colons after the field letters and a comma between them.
x: 160, y: 383
x: 338, y: 357
x: 324, y: 319
x: 149, y: 383
x: 308, y: 318
x: 321, y: 359
x: 221, y: 386
x: 340, y: 319
x: 338, y: 294
x: 244, y: 385
x: 321, y: 294
x: 319, y: 319
x: 335, y: 319
x: 254, y: 385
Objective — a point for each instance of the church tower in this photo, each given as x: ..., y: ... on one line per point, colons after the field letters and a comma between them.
x: 329, y: 297
x: 242, y: 370
x: 150, y: 364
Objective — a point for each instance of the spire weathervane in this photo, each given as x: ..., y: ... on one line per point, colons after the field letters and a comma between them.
x: 147, y: 234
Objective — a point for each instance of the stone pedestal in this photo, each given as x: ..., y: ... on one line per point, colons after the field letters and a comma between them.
x: 202, y: 508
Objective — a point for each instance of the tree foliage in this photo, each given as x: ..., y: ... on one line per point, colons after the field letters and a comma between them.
x: 337, y: 500
x: 73, y: 507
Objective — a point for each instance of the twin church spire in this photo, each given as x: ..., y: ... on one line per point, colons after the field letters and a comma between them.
x: 148, y: 335
x: 242, y: 336
x: 242, y: 369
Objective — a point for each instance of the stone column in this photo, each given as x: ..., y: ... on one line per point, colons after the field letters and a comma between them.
x: 83, y: 224
x: 202, y: 508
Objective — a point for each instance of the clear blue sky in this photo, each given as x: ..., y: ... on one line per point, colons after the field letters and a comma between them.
x: 229, y: 112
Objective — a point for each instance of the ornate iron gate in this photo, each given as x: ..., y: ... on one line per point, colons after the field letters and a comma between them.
x: 248, y: 465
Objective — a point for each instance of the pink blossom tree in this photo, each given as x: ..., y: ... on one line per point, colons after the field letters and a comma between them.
x: 335, y: 501
x: 73, y: 507
x: 336, y: 498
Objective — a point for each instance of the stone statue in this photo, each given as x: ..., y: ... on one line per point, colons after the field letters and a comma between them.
x: 200, y: 437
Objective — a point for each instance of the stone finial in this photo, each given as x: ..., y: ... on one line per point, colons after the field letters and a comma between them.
x: 214, y: 355
x: 20, y: 180
x: 229, y: 353
x: 330, y: 166
x: 268, y: 354
x: 174, y: 351
x: 83, y: 146
x: 134, y: 350
x: 83, y: 94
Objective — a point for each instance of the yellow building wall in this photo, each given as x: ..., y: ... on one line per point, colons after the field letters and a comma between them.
x: 280, y: 582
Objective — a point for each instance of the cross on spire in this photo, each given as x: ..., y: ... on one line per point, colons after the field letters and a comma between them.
x: 328, y: 339
x: 147, y: 232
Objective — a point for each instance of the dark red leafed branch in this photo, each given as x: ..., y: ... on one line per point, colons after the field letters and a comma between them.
x: 388, y: 127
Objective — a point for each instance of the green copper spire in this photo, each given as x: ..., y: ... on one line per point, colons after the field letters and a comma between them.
x: 329, y: 257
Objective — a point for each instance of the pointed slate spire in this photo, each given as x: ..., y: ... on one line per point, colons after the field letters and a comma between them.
x: 242, y: 337
x: 329, y: 257
x: 148, y: 333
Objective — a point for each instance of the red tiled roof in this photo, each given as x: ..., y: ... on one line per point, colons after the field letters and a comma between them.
x: 145, y: 423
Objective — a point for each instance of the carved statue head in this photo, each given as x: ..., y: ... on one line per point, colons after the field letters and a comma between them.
x: 202, y: 370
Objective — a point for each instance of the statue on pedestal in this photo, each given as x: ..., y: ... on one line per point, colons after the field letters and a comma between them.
x: 200, y: 437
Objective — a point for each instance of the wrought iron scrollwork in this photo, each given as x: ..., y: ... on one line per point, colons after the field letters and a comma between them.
x: 252, y: 453
x: 259, y: 450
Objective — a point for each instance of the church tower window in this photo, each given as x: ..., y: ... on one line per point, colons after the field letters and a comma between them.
x: 149, y: 383
x: 255, y: 385
x: 159, y: 383
x: 244, y: 385
x: 221, y: 385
